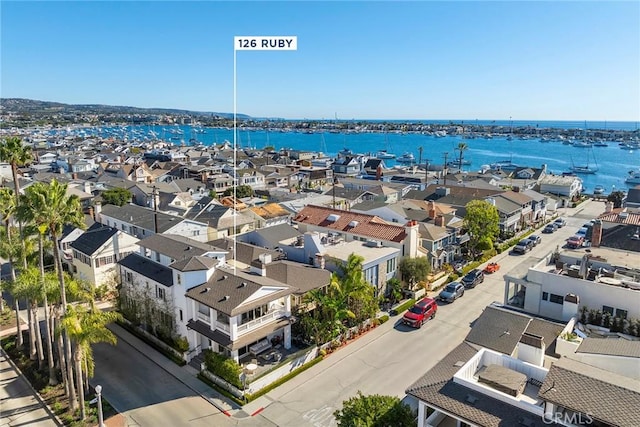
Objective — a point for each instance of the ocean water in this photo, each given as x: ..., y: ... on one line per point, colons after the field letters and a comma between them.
x: 613, y: 162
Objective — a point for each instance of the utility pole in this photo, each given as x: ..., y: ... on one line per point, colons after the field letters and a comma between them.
x: 426, y: 172
x: 444, y: 167
x: 333, y: 190
x: 420, y: 155
x: 155, y: 209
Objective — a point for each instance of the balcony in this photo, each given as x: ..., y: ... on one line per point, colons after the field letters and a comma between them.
x: 256, y: 323
x: 223, y: 327
x: 204, y: 317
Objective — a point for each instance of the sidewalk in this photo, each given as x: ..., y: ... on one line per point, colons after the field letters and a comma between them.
x: 21, y: 405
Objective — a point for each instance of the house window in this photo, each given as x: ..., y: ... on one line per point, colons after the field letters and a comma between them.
x: 128, y: 276
x: 179, y: 279
x: 557, y: 299
x: 621, y: 313
x: 607, y: 309
x: 181, y: 315
x: 157, y: 256
x: 203, y: 309
x: 195, y: 233
x: 160, y: 293
x: 545, y: 296
x: 391, y: 265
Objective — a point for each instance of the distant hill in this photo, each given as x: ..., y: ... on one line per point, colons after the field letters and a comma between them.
x: 35, y: 107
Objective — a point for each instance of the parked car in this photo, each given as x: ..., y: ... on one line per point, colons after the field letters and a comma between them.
x: 522, y: 247
x: 549, y: 228
x: 492, y: 267
x: 472, y: 278
x: 560, y: 222
x: 575, y: 242
x: 582, y: 232
x: 423, y: 310
x: 452, y: 292
x: 535, y: 239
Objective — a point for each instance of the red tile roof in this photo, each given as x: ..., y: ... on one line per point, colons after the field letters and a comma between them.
x: 367, y: 225
x: 619, y: 215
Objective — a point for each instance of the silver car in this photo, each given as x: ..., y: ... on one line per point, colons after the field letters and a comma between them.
x: 452, y: 292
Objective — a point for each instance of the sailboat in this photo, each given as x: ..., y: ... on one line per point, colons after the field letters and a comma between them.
x: 584, y: 169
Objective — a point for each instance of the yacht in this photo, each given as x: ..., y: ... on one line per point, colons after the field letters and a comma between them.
x: 505, y: 165
x: 633, y: 177
x: 598, y: 189
x: 406, y: 158
x: 384, y: 154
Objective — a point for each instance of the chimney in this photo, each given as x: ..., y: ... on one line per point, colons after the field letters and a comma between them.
x: 411, y: 241
x: 87, y: 187
x: 319, y: 261
x: 608, y: 207
x: 439, y: 221
x: 596, y: 233
x: 74, y: 175
x: 570, y: 307
x: 431, y: 209
x: 516, y: 189
x: 531, y: 349
x: 379, y: 173
x: 97, y: 210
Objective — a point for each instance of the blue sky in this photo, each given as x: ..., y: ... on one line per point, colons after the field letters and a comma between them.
x: 386, y: 60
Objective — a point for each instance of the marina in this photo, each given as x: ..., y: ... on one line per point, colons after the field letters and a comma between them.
x: 606, y: 166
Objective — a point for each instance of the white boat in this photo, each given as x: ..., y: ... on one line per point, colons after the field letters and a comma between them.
x: 505, y: 165
x: 384, y: 154
x: 598, y: 189
x: 586, y: 169
x: 633, y: 177
x: 406, y: 158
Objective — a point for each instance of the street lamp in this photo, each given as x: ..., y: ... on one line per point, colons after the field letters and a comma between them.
x: 99, y: 394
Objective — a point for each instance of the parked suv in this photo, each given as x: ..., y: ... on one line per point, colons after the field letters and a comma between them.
x: 523, y: 246
x: 423, y: 310
x: 472, y: 278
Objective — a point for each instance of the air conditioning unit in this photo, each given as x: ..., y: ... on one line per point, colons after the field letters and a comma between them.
x: 374, y: 243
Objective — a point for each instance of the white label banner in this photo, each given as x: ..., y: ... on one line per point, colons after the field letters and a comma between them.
x: 265, y: 43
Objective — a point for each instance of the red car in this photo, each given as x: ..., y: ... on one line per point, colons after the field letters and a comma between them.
x: 575, y: 242
x: 492, y: 267
x: 423, y: 310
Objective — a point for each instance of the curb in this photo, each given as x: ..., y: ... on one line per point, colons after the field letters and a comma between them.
x: 221, y: 409
x: 35, y: 392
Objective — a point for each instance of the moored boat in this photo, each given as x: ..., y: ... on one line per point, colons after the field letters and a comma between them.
x: 406, y: 158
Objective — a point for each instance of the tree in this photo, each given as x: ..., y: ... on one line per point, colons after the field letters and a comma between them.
x: 482, y: 223
x: 16, y: 154
x: 241, y: 191
x: 374, y: 411
x: 462, y: 147
x: 85, y: 327
x: 414, y: 270
x: 394, y: 290
x: 116, y: 196
x: 616, y: 197
x: 49, y: 206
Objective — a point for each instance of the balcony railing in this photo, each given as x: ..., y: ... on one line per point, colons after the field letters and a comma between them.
x: 204, y: 317
x: 276, y: 314
x: 223, y: 327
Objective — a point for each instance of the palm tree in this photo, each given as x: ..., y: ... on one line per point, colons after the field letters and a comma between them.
x: 16, y: 154
x: 85, y: 327
x: 462, y: 147
x: 28, y: 286
x: 49, y: 206
x: 8, y: 249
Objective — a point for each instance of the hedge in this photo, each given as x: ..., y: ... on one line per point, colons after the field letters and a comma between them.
x: 132, y: 329
x: 383, y: 318
x: 404, y: 306
x: 283, y: 380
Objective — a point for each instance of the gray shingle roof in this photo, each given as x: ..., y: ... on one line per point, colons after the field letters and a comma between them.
x: 278, y: 233
x: 245, y: 252
x: 195, y: 263
x: 498, y: 329
x: 148, y: 268
x: 605, y: 402
x: 610, y: 346
x: 300, y: 276
x: 93, y: 239
x: 226, y: 292
x: 438, y: 390
x: 141, y: 217
x: 176, y: 247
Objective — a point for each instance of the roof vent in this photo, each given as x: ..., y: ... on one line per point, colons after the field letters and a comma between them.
x: 353, y: 224
x: 188, y: 248
x: 243, y: 285
x: 333, y: 217
x: 205, y: 290
x: 224, y: 277
x: 226, y: 298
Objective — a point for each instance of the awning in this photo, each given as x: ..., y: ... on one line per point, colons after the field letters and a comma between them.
x: 224, y: 340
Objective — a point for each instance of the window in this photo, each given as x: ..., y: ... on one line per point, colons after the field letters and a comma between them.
x: 607, y: 309
x: 545, y: 296
x: 621, y: 313
x: 179, y: 279
x: 391, y: 265
x: 557, y: 299
x: 157, y: 256
x: 195, y: 233
x: 160, y: 293
x: 181, y: 315
x: 203, y: 309
x: 128, y: 277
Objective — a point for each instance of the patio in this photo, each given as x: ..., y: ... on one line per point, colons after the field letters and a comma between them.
x: 268, y: 359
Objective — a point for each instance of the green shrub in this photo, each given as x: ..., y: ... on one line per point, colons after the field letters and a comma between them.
x: 181, y: 344
x: 383, y: 318
x: 404, y: 306
x: 283, y: 380
x: 223, y: 367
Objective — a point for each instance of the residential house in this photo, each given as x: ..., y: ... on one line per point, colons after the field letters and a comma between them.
x: 224, y: 220
x: 143, y: 222
x: 97, y: 251
x: 567, y: 187
x: 526, y: 211
x: 269, y: 215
